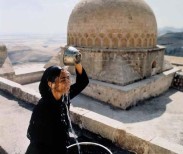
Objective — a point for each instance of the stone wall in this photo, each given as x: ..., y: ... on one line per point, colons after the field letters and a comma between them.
x: 121, y: 67
x: 154, y: 62
x: 113, y: 67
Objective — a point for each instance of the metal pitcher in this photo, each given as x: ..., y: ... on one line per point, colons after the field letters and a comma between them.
x: 71, y: 56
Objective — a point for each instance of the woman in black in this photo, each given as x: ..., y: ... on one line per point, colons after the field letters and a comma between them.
x: 49, y: 125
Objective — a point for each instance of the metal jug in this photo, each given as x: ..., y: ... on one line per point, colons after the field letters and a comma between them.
x: 71, y: 56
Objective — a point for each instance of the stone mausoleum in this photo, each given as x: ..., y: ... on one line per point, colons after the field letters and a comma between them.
x: 118, y: 42
x: 117, y: 39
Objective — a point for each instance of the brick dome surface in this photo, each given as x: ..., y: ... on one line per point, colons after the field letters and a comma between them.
x: 112, y: 24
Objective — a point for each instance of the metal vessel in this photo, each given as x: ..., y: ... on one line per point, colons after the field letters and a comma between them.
x: 71, y: 56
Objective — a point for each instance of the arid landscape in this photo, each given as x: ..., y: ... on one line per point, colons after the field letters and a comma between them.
x: 32, y: 48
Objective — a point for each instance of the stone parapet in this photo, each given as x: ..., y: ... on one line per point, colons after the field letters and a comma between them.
x: 19, y: 91
x: 28, y: 77
x: 119, y: 134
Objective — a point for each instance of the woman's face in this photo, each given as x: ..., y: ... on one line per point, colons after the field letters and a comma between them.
x: 62, y: 83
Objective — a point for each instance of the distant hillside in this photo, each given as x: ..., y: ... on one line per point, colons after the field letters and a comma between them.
x: 173, y: 43
x: 164, y: 30
x: 32, y: 48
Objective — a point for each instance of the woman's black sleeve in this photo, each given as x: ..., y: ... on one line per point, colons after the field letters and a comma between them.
x: 39, y: 130
x: 81, y: 82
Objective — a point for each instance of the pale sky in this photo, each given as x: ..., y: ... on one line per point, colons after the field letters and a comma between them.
x: 51, y: 16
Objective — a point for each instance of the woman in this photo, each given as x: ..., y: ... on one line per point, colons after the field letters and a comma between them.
x: 49, y: 125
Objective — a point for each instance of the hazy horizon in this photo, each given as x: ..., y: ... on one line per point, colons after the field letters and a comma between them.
x: 51, y: 16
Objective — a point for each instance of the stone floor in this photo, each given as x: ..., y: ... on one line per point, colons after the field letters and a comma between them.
x: 14, y: 119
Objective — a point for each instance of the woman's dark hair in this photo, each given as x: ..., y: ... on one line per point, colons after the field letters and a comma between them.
x: 49, y: 74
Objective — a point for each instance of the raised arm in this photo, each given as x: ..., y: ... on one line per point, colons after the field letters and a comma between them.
x: 81, y: 81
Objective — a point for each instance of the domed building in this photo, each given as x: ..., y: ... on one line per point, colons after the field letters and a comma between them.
x: 117, y: 39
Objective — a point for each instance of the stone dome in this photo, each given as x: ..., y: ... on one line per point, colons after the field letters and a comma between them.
x: 112, y: 24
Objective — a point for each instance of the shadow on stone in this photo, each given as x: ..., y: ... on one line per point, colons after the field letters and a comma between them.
x: 87, y: 136
x: 23, y: 104
x: 2, y: 151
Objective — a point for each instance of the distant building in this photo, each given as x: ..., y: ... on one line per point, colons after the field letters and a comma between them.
x: 6, y: 68
x: 3, y: 54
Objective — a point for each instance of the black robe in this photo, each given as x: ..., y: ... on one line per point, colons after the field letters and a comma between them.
x: 48, y: 130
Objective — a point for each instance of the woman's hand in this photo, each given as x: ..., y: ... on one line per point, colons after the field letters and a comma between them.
x: 79, y: 68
